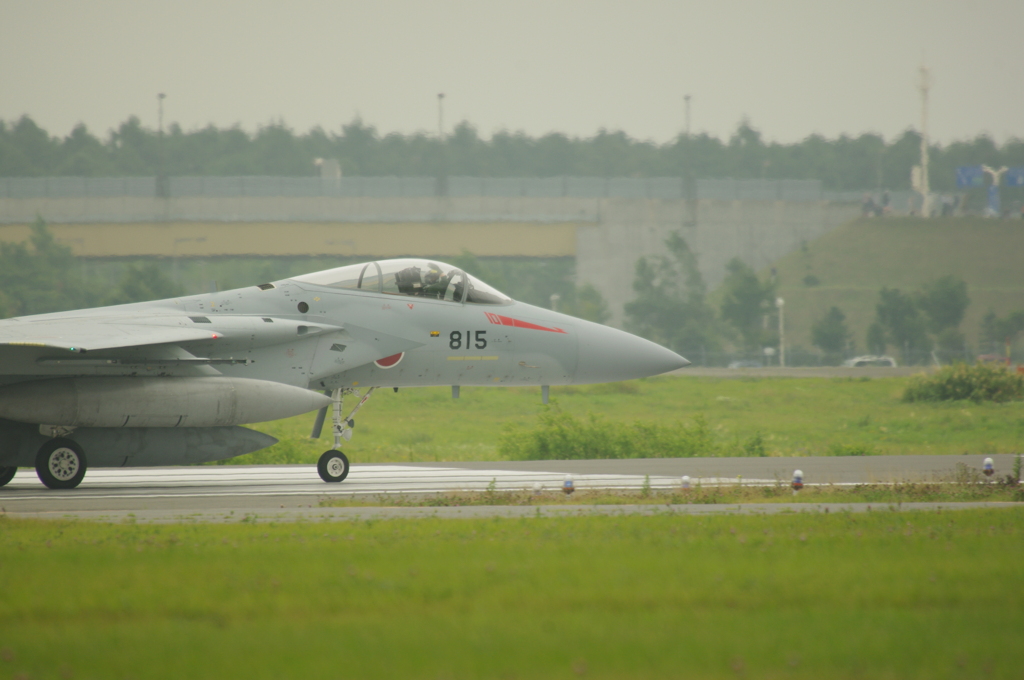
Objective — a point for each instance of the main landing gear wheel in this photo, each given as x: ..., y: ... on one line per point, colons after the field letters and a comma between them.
x: 7, y: 474
x: 61, y: 464
x: 333, y: 466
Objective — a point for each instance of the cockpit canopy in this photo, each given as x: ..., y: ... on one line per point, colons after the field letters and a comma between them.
x: 412, y: 277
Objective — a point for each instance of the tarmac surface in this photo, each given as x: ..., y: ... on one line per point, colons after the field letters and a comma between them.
x: 294, y: 492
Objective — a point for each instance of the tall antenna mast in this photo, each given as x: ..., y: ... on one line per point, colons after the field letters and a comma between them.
x: 925, y: 191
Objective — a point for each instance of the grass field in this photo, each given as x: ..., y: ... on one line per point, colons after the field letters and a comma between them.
x: 878, y: 595
x: 972, y: 488
x: 793, y: 416
x: 853, y: 262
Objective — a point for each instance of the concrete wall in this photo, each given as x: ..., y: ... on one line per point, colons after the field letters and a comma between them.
x: 135, y: 209
x: 347, y: 239
x: 758, y: 232
x: 607, y: 235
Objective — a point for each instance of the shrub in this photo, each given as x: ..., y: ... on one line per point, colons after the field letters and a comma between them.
x: 977, y: 383
x: 838, y: 449
x: 560, y: 436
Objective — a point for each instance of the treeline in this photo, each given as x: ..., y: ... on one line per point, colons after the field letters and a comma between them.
x: 42, y: 276
x: 672, y: 307
x: 844, y: 163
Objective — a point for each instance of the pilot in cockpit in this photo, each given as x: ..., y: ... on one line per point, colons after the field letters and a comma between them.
x: 435, y: 282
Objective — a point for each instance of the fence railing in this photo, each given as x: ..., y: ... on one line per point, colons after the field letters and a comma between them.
x: 801, y: 357
x: 456, y: 186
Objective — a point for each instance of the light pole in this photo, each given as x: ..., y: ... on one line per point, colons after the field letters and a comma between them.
x: 440, y: 116
x: 780, y: 303
x: 442, y: 161
x: 161, y: 181
x: 686, y: 98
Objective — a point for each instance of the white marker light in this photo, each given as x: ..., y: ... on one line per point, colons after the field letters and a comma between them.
x: 686, y: 481
x: 568, y: 486
x: 988, y: 467
x: 537, y: 487
x: 798, y: 480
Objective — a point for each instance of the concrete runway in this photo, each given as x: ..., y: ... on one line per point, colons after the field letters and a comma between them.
x: 216, y: 493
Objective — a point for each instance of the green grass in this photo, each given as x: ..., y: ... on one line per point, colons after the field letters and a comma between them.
x: 878, y: 595
x: 856, y: 260
x: 793, y: 416
x: 975, y: 490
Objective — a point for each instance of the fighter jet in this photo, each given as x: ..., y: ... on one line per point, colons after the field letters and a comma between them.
x: 170, y: 382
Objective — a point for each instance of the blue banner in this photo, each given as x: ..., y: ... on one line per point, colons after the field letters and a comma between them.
x: 1015, y: 177
x: 968, y: 176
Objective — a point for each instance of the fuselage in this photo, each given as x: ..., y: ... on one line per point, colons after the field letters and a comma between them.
x: 303, y: 333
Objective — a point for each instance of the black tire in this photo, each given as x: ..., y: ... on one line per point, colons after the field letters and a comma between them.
x: 333, y: 466
x: 7, y: 474
x: 61, y: 464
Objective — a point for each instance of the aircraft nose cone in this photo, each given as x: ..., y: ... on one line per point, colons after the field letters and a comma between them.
x: 610, y: 355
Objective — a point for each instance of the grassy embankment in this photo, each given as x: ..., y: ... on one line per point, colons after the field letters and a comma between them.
x: 880, y: 595
x: 794, y: 417
x: 853, y: 262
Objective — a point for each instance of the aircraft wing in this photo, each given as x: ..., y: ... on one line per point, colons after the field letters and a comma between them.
x: 82, y: 334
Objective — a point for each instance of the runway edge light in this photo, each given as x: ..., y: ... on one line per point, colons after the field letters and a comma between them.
x: 988, y: 467
x: 568, y: 486
x: 798, y: 480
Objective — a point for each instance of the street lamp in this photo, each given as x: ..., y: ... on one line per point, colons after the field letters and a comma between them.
x: 161, y: 181
x: 686, y: 98
x: 779, y: 303
x: 440, y: 115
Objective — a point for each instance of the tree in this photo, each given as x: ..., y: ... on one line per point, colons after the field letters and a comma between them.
x: 830, y: 334
x: 745, y: 302
x: 944, y: 301
x: 997, y: 331
x: 876, y: 338
x: 670, y: 306
x: 140, y: 284
x: 899, y: 317
x: 40, y: 276
x: 588, y: 304
x: 847, y: 163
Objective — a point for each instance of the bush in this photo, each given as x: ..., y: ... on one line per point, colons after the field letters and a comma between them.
x: 560, y: 436
x: 977, y: 383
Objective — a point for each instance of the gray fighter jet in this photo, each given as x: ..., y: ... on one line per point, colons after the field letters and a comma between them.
x: 170, y: 382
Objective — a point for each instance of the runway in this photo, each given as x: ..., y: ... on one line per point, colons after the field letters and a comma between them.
x: 295, y: 491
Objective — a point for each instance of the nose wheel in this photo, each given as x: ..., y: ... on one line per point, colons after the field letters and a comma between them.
x: 333, y: 466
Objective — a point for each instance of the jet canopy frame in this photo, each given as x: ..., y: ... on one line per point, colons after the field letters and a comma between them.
x: 409, y: 277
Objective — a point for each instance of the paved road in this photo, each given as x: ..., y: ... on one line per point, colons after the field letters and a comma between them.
x: 217, y: 492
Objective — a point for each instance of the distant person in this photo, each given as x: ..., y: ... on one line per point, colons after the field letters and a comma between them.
x: 868, y: 208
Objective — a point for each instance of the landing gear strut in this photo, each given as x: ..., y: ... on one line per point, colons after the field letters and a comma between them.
x: 333, y: 465
x: 61, y: 463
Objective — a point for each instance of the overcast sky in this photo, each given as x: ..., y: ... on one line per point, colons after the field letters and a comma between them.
x: 792, y: 67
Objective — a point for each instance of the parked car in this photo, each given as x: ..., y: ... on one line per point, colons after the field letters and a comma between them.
x: 745, y: 363
x: 870, y: 360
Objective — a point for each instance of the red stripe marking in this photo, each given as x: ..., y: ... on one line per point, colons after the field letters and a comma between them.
x: 500, y: 320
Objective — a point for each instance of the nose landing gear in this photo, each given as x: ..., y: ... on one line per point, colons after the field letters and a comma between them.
x: 333, y: 465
